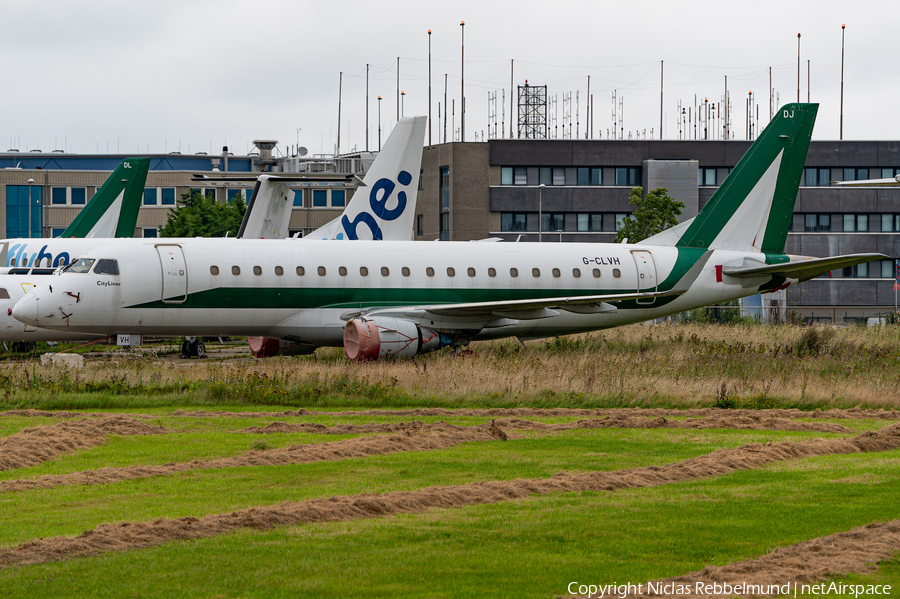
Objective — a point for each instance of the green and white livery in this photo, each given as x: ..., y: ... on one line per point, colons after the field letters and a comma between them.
x: 398, y: 298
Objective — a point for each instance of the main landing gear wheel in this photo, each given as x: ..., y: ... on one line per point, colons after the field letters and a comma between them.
x: 193, y: 348
x: 24, y: 347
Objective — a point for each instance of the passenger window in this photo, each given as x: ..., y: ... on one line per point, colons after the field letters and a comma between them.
x: 470, y: 271
x: 80, y: 266
x: 429, y: 271
x: 405, y: 271
x: 4, y: 294
x: 514, y: 272
x: 106, y: 267
x: 12, y: 262
x: 214, y: 270
x: 257, y: 270
x: 535, y: 272
x: 597, y: 273
x: 342, y: 271
x: 235, y: 270
x: 616, y: 273
x: 300, y: 271
x: 556, y: 273
x: 451, y: 272
x: 363, y: 271
x: 492, y: 272
x: 576, y: 272
x: 279, y: 271
x: 321, y: 271
x: 384, y: 271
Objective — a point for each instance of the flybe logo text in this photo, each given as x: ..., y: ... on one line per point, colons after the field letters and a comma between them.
x: 18, y: 256
x: 378, y: 201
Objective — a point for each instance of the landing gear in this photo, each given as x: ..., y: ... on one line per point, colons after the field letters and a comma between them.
x: 193, y: 348
x: 23, y: 347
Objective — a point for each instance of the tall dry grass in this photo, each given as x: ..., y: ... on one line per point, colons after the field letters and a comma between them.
x: 679, y: 364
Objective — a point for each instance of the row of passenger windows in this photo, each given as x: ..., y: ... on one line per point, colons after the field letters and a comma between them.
x: 385, y: 271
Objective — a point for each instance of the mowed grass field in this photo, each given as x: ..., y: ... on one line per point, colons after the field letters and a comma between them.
x: 221, y: 438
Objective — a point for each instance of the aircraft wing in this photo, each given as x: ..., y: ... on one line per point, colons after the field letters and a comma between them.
x: 802, y: 269
x: 889, y: 182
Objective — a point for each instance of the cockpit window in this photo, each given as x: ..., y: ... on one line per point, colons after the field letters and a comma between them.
x: 106, y: 267
x: 4, y: 294
x: 80, y: 266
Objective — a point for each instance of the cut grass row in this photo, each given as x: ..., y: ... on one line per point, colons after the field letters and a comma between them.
x: 528, y: 548
x: 71, y: 510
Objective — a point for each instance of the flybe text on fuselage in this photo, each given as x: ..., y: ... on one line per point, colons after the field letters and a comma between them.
x: 27, y: 254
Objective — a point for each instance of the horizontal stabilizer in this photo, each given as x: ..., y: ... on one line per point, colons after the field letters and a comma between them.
x: 801, y: 268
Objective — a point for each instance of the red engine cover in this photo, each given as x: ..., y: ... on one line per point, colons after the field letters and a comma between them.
x: 361, y: 340
x: 263, y: 347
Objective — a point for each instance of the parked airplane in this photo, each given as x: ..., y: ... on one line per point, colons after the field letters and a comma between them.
x: 402, y: 298
x: 112, y: 212
x: 268, y: 216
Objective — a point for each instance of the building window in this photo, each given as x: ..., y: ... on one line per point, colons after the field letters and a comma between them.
x: 545, y: 175
x: 559, y: 176
x: 150, y: 197
x: 889, y: 173
x: 856, y: 222
x: 620, y: 220
x: 706, y: 176
x: 58, y: 195
x: 818, y: 176
x: 553, y: 222
x: 445, y: 227
x: 860, y: 271
x: 298, y: 198
x: 445, y: 188
x: 320, y: 198
x: 17, y: 208
x: 56, y: 232
x: 150, y: 232
x: 338, y: 198
x: 421, y: 179
x: 420, y: 224
x: 513, y: 221
x: 590, y: 222
x: 520, y: 176
x: 887, y: 268
x: 506, y: 175
x: 890, y: 222
x: 817, y: 223
x: 168, y: 196
x: 630, y: 176
x: 856, y: 174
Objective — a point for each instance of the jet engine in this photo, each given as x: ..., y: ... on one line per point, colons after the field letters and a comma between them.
x: 377, y: 337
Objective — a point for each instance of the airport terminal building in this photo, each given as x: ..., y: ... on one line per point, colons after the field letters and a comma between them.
x: 477, y: 190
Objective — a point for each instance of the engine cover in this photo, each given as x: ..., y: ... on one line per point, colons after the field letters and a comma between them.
x: 383, y: 336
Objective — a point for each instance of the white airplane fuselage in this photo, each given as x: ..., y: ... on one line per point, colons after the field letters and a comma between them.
x: 168, y: 288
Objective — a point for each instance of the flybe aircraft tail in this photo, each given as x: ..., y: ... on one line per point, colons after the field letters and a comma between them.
x: 752, y: 209
x: 385, y: 207
x: 113, y: 211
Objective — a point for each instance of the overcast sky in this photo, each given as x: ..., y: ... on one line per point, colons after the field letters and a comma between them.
x: 194, y: 75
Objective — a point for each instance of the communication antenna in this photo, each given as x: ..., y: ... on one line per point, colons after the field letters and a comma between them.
x: 567, y: 115
x: 615, y: 124
x: 532, y: 111
x: 622, y: 116
x: 577, y: 119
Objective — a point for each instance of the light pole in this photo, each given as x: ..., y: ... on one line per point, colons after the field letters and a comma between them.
x: 540, y: 211
x: 30, y: 181
x: 379, y: 123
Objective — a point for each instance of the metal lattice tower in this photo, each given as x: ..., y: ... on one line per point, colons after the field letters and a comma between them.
x: 532, y: 111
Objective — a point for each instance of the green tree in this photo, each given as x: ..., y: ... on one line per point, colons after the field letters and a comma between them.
x: 655, y: 212
x: 199, y: 215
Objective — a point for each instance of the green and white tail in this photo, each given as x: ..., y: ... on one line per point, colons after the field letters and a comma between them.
x: 113, y: 211
x: 752, y: 209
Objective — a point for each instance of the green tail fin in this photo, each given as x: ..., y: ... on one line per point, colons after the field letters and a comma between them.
x: 113, y: 211
x: 752, y: 209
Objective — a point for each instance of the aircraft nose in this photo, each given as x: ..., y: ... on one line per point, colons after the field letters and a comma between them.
x: 26, y: 309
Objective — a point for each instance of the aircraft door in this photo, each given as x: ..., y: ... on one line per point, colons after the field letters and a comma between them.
x: 174, y: 273
x: 646, y: 273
